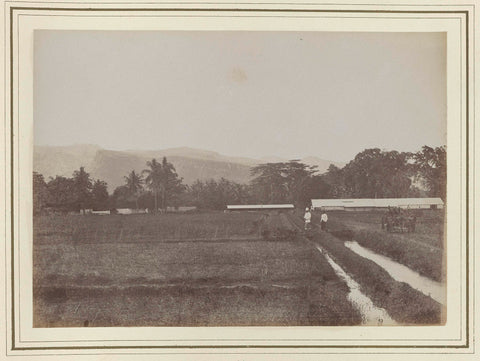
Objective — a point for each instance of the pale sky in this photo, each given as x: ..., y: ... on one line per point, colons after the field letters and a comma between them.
x: 253, y: 94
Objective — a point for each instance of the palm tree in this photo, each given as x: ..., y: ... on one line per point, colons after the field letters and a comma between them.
x: 169, y: 176
x: 134, y: 184
x: 154, y: 178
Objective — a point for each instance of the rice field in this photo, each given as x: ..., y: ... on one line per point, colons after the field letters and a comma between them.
x: 211, y: 269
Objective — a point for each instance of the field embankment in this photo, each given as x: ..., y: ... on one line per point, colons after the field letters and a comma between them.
x: 422, y: 250
x: 403, y: 303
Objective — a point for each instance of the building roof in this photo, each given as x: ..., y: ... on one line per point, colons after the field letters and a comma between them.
x: 375, y: 202
x: 260, y: 206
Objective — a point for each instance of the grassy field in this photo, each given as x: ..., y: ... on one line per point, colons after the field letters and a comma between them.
x: 147, y: 227
x: 223, y: 269
x: 421, y: 251
x: 210, y: 269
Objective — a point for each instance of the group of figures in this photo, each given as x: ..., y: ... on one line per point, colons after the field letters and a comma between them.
x: 308, y: 219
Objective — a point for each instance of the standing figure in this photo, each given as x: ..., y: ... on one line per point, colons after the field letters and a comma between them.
x: 308, y: 218
x: 323, y: 221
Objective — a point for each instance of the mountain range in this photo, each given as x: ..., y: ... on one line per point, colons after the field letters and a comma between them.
x: 112, y: 165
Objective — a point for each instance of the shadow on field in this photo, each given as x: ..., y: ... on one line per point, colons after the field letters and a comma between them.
x: 302, y: 304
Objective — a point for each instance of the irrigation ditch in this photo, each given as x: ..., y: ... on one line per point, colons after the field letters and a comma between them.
x: 371, y: 282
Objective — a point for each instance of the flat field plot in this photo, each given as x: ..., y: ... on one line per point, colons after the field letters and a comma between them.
x: 146, y: 227
x: 204, y: 269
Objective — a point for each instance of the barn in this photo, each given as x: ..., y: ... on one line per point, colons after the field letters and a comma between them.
x: 260, y: 207
x: 371, y: 204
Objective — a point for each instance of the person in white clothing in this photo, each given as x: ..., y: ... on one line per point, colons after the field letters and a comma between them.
x: 323, y: 221
x: 308, y: 218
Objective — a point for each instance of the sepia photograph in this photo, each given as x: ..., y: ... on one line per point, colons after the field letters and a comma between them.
x: 239, y: 178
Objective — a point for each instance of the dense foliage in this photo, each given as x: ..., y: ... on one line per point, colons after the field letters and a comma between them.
x: 69, y: 194
x: 212, y: 194
x: 373, y: 173
x: 290, y: 182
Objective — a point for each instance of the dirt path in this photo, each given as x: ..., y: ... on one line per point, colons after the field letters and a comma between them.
x: 289, y: 223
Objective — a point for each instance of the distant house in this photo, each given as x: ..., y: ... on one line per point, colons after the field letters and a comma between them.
x: 130, y: 211
x: 368, y: 204
x: 124, y: 211
x: 100, y: 213
x: 182, y: 209
x: 256, y: 207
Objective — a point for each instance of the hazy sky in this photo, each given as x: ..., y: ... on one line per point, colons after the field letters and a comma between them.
x: 288, y: 94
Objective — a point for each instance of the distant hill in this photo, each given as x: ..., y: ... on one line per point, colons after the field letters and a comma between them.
x: 111, y: 166
x: 52, y: 161
x: 193, y: 153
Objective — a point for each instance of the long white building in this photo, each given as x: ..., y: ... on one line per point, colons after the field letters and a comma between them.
x: 256, y: 207
x: 365, y: 204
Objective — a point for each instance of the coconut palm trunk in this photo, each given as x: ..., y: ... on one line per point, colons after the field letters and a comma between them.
x: 163, y: 199
x: 156, y: 206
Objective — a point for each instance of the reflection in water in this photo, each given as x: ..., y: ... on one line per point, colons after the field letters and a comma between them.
x: 402, y: 273
x: 371, y: 315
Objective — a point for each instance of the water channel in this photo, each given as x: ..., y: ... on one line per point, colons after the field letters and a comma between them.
x: 401, y: 273
x: 371, y: 315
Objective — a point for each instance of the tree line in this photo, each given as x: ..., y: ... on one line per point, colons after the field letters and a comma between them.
x: 155, y: 188
x: 66, y: 194
x: 373, y: 173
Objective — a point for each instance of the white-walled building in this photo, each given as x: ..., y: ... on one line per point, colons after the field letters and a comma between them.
x: 366, y: 204
x: 257, y: 207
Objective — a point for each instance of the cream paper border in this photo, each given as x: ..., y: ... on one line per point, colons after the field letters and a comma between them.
x: 27, y: 21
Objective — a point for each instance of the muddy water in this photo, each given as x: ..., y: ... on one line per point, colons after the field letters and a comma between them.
x: 371, y: 315
x: 402, y: 273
